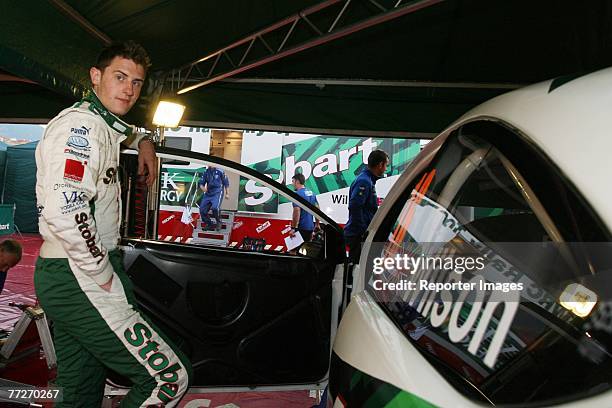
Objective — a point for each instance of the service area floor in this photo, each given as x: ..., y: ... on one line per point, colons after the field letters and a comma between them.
x: 19, y: 288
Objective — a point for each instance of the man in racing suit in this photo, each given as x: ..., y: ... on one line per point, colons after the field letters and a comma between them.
x: 212, y: 183
x: 79, y: 276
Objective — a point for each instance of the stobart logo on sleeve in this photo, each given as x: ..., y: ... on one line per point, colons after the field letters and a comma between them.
x: 158, y: 361
x: 88, y: 236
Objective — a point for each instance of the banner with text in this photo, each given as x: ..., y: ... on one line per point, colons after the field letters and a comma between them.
x: 329, y: 164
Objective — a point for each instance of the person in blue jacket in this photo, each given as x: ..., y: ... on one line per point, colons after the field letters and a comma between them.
x: 302, y: 221
x: 213, y: 182
x: 363, y: 202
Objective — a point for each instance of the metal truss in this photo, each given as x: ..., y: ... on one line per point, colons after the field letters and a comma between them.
x: 322, y: 82
x: 81, y: 21
x: 326, y: 21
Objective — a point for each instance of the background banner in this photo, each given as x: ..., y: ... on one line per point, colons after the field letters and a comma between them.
x: 329, y: 164
x: 175, y: 184
x: 7, y: 221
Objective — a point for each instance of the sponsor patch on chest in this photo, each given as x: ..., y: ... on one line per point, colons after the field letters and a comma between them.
x: 111, y: 176
x: 74, y: 170
x: 78, y: 142
x: 76, y: 153
x: 80, y: 131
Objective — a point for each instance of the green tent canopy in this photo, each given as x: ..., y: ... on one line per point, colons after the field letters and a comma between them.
x: 20, y: 185
x: 414, y: 73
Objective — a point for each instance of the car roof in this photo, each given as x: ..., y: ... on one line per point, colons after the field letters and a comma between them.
x: 570, y: 120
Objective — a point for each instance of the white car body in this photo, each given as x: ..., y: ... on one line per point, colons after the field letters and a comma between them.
x: 570, y: 121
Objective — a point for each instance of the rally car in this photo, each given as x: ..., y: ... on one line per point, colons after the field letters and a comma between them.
x: 523, y: 181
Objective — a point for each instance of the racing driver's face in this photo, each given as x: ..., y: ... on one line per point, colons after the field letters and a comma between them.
x: 118, y: 85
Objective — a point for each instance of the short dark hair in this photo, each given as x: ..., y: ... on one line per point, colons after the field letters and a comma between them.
x: 376, y: 157
x: 126, y: 49
x: 299, y: 177
x: 11, y: 246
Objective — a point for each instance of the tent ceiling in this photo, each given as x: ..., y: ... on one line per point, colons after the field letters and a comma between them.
x: 467, y: 41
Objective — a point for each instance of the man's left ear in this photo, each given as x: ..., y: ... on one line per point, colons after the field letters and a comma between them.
x: 95, y: 75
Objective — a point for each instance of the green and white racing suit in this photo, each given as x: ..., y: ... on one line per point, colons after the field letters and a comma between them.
x: 79, y: 204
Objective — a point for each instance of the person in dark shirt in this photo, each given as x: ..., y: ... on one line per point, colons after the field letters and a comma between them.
x: 10, y: 255
x: 363, y: 201
x: 212, y: 183
x: 302, y: 221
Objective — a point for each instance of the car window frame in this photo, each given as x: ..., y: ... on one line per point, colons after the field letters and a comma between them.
x: 242, y: 170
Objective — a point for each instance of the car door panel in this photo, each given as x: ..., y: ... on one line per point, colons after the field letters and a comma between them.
x: 244, y: 318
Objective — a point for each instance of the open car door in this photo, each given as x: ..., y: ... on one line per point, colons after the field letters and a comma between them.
x: 246, y: 311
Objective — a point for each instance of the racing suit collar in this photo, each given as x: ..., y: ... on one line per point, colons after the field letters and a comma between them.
x: 96, y: 106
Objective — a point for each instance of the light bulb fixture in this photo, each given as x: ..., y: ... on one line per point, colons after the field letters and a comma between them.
x: 578, y: 299
x: 168, y: 114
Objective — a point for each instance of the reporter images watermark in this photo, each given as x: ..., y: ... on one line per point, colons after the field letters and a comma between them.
x: 417, y: 267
